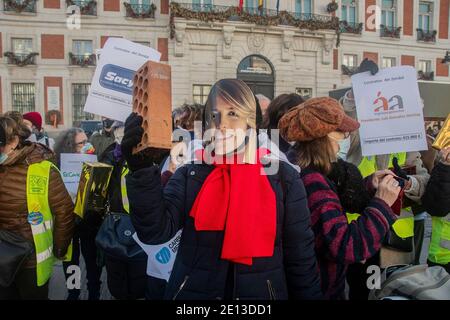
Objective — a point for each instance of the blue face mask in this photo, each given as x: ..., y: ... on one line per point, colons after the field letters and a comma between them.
x: 3, y: 158
x: 344, y: 147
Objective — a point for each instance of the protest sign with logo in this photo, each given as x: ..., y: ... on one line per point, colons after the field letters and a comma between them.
x: 71, y: 165
x: 111, y: 90
x: 161, y: 257
x: 390, y: 111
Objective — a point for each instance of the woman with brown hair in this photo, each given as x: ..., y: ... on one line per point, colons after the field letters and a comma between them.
x: 317, y: 126
x: 36, y: 219
x: 246, y: 234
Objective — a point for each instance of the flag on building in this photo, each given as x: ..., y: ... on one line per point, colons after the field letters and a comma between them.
x: 278, y: 6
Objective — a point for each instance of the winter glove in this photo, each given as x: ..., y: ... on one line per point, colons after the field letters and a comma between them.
x: 399, y: 171
x: 132, y: 137
x: 368, y: 65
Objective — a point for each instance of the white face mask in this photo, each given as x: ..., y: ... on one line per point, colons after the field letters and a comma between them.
x: 344, y: 147
x: 3, y: 158
x: 32, y: 138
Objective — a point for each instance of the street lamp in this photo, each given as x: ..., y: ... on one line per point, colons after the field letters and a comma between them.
x: 446, y: 59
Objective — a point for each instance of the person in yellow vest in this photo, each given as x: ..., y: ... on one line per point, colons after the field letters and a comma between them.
x: 30, y: 210
x: 437, y: 203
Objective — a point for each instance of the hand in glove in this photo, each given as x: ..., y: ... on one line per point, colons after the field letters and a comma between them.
x: 368, y: 65
x: 132, y: 137
x: 399, y: 172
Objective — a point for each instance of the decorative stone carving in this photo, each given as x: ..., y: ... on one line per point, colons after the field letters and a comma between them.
x: 228, y: 33
x: 255, y: 43
x: 180, y: 33
x: 287, y: 47
x: 327, y: 48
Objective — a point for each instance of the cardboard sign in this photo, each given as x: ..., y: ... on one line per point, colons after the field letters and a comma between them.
x: 390, y: 111
x: 111, y: 90
x: 71, y: 165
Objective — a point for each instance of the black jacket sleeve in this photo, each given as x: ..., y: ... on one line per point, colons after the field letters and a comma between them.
x: 156, y: 213
x: 302, y: 272
x: 436, y: 199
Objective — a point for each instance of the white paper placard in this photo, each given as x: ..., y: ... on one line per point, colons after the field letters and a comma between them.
x: 111, y: 90
x: 390, y: 111
x: 71, y: 166
x: 53, y: 98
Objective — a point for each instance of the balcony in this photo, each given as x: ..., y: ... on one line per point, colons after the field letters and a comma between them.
x: 428, y: 76
x: 426, y: 36
x: 140, y: 11
x: 82, y: 60
x: 258, y: 16
x: 21, y: 59
x: 348, y: 71
x: 19, y: 6
x: 87, y: 7
x: 350, y: 27
x: 390, y: 32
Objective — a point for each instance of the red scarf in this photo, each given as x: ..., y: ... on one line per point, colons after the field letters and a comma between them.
x: 238, y: 199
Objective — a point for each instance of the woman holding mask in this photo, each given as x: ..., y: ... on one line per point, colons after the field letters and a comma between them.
x: 243, y: 237
x: 318, y: 126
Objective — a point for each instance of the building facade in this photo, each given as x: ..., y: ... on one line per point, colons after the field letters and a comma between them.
x: 304, y: 46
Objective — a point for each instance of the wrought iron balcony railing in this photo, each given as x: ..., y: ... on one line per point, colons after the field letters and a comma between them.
x: 19, y: 6
x: 141, y: 11
x: 350, y: 27
x: 426, y: 36
x: 21, y: 59
x: 348, y: 71
x: 87, y: 7
x: 261, y: 16
x: 425, y: 75
x: 82, y: 60
x: 390, y: 32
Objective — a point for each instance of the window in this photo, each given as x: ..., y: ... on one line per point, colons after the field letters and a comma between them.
x: 22, y: 46
x: 305, y: 93
x: 349, y: 12
x: 82, y: 47
x: 350, y: 60
x: 388, y: 62
x: 23, y: 97
x: 389, y: 14
x: 140, y: 6
x: 303, y: 7
x: 144, y: 43
x: 425, y: 15
x: 201, y: 5
x: 79, y: 94
x: 424, y: 65
x: 200, y: 93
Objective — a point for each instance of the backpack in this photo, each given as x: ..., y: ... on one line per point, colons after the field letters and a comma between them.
x: 418, y: 282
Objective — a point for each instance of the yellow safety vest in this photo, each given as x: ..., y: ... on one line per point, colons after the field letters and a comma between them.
x: 439, y: 251
x: 40, y: 218
x: 403, y: 227
x: 123, y: 188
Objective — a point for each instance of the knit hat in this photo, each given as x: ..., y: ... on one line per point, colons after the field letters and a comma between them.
x: 35, y: 118
x: 315, y: 118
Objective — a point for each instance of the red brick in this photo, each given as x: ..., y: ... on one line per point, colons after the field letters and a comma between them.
x: 104, y: 38
x: 163, y: 48
x: 370, y: 14
x: 371, y: 56
x: 408, y: 17
x: 54, y: 82
x: 441, y: 68
x: 52, y: 46
x: 164, y: 7
x: 1, y: 103
x: 335, y: 59
x: 408, y: 61
x: 52, y: 4
x: 443, y: 19
x: 111, y: 5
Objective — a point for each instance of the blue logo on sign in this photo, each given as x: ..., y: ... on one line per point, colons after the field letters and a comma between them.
x: 117, y: 78
x: 163, y: 256
x: 35, y: 218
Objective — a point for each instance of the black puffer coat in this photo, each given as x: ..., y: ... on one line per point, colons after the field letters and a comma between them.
x: 199, y: 272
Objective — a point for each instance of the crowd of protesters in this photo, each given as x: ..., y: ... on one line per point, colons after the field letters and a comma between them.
x: 301, y: 232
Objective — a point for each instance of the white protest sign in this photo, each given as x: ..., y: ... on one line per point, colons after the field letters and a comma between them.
x: 390, y: 111
x: 71, y: 166
x: 161, y: 257
x: 53, y: 98
x: 111, y: 91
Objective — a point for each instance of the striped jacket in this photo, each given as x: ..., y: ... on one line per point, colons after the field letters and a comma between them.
x: 337, y: 242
